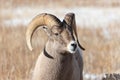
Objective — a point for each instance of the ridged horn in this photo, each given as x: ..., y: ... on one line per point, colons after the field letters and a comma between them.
x: 43, y: 19
x: 70, y: 20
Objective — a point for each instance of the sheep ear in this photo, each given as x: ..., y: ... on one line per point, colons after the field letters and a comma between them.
x: 47, y: 30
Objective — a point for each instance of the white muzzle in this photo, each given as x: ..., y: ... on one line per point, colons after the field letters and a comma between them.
x: 72, y: 47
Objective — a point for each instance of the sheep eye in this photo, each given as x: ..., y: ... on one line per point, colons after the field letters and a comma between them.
x: 56, y: 34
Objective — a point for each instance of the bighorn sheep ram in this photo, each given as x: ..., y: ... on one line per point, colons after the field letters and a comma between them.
x: 61, y: 58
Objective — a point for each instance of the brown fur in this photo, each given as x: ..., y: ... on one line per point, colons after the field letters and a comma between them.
x: 56, y: 62
x: 59, y: 64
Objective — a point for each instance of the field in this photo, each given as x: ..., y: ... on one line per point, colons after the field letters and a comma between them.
x: 98, y: 29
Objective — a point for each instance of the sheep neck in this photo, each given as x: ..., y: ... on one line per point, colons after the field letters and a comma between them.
x: 59, y: 63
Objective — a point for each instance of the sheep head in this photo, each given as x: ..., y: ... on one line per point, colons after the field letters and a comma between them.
x: 60, y: 34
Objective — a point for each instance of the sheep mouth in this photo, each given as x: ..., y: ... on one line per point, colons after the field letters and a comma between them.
x: 72, y: 50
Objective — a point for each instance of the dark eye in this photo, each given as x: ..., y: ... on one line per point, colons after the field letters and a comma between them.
x: 56, y: 34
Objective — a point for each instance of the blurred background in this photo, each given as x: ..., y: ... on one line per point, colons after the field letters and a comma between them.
x: 98, y: 23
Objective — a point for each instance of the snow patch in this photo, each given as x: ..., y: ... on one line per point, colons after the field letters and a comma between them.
x: 88, y: 76
x: 85, y: 17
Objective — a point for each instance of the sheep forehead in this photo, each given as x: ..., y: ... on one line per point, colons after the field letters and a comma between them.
x: 63, y: 28
x: 56, y: 29
x: 65, y: 33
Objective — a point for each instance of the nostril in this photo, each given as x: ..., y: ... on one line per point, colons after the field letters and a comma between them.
x: 74, y: 45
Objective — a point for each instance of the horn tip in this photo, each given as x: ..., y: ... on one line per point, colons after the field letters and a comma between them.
x: 30, y: 48
x: 71, y: 13
x: 29, y: 45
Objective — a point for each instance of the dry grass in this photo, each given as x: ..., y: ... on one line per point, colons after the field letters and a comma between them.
x: 16, y: 62
x: 13, y: 54
x: 101, y: 54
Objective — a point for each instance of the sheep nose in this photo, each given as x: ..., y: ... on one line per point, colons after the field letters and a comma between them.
x: 74, y: 45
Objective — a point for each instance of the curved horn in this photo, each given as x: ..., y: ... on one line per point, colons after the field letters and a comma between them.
x: 70, y: 20
x: 43, y: 19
